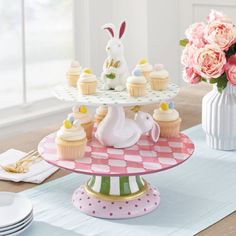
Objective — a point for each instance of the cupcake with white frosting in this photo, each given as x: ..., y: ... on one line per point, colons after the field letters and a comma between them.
x: 168, y: 119
x: 71, y: 140
x: 81, y: 114
x: 101, y: 113
x: 87, y: 83
x: 73, y: 73
x: 144, y: 67
x: 136, y: 84
x: 159, y: 78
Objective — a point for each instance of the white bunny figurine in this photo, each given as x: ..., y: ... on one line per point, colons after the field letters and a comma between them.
x: 115, y: 69
x: 117, y: 131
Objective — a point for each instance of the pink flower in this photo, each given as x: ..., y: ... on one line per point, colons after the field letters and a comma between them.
x: 209, y: 61
x: 230, y: 69
x: 220, y: 33
x: 195, y: 34
x: 187, y: 57
x: 190, y: 76
x: 218, y: 16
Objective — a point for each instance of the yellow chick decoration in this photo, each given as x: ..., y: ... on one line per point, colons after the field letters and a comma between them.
x: 83, y: 109
x: 142, y: 61
x: 136, y: 109
x: 87, y: 71
x: 164, y: 106
x: 67, y: 124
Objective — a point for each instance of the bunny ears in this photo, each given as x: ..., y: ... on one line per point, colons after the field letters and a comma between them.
x: 111, y: 29
x: 122, y: 29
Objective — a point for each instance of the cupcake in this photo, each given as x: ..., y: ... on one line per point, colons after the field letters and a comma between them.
x: 159, y: 78
x: 145, y: 67
x: 73, y: 73
x: 87, y: 83
x: 100, y: 114
x: 71, y: 141
x: 81, y: 114
x: 136, y: 84
x: 168, y: 119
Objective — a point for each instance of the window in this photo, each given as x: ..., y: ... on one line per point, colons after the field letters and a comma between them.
x: 36, y: 46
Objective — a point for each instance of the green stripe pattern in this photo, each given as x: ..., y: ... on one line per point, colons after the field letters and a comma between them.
x: 116, y: 186
x: 105, y: 185
x: 124, y: 186
x: 139, y: 181
x: 92, y: 182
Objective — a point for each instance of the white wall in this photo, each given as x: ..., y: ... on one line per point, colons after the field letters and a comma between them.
x: 135, y: 38
x: 153, y: 29
x: 163, y: 35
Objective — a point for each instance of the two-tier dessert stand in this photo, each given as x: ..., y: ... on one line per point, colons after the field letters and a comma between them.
x: 116, y: 189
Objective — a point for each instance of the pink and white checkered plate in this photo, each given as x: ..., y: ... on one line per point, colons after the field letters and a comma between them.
x: 143, y: 158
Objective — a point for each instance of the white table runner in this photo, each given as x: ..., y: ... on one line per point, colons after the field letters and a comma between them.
x: 194, y: 195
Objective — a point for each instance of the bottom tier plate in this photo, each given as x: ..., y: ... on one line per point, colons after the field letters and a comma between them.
x: 116, y: 209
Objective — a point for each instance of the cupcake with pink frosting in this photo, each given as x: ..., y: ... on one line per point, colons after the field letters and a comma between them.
x: 159, y: 78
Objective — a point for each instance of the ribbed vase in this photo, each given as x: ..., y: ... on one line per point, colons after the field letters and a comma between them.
x: 219, y: 118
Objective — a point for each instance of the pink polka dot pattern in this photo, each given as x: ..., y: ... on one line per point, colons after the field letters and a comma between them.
x: 143, y: 158
x: 119, y: 209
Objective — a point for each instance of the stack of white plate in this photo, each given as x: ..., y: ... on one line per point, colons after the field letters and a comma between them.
x: 16, y: 213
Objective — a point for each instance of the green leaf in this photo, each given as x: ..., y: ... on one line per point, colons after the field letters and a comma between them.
x: 220, y: 89
x: 222, y: 82
x: 203, y: 79
x: 183, y: 42
x: 231, y: 51
x: 111, y: 76
x: 214, y: 80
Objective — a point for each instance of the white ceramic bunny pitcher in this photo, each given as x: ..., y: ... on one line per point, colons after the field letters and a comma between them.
x: 117, y: 131
x: 115, y: 69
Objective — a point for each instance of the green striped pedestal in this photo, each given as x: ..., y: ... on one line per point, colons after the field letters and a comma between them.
x: 116, y: 188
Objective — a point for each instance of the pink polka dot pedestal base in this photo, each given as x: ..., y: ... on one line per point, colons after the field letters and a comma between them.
x: 116, y: 209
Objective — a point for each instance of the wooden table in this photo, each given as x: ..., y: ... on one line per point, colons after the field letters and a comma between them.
x: 188, y: 103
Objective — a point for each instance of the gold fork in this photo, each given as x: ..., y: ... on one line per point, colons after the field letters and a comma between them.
x: 22, y: 165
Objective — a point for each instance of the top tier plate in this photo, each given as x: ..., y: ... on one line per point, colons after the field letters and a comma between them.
x: 112, y: 97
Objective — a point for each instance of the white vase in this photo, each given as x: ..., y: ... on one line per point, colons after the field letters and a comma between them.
x: 219, y: 118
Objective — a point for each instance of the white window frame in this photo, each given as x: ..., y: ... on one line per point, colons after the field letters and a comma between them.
x: 44, y: 107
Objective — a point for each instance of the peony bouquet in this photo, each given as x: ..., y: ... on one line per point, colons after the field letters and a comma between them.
x: 209, y: 53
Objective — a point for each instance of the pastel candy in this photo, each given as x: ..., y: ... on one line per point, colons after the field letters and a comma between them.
x: 71, y: 118
x: 87, y: 70
x: 67, y: 124
x: 164, y: 106
x: 171, y: 105
x: 159, y: 67
x: 137, y: 72
x: 77, y: 123
x: 83, y: 109
x: 142, y: 61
